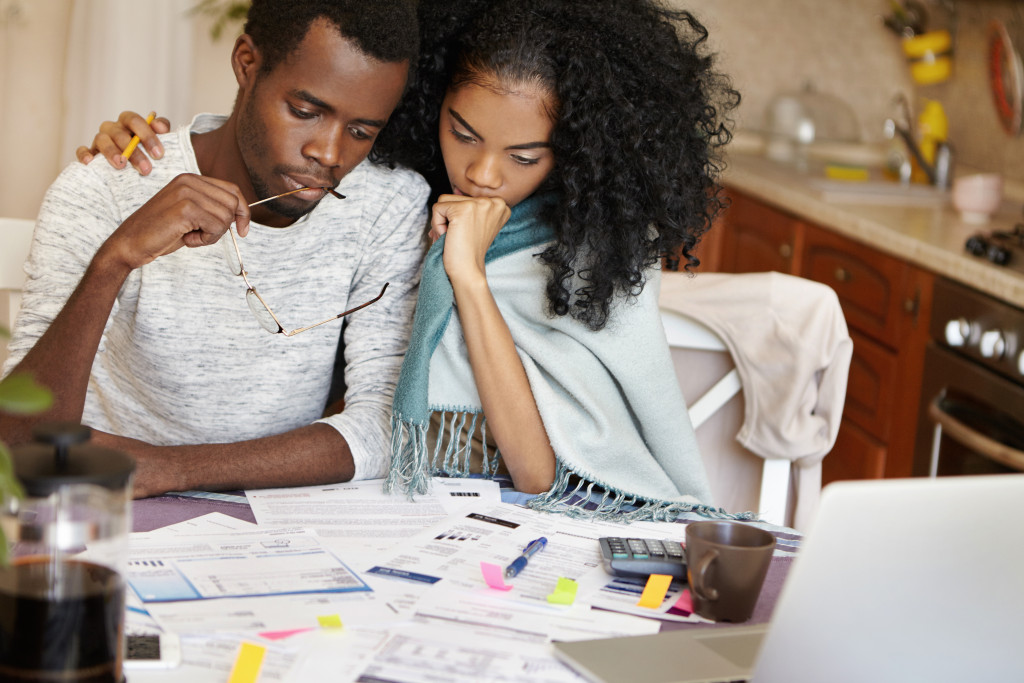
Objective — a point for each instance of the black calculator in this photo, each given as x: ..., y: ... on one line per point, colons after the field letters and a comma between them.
x: 641, y: 557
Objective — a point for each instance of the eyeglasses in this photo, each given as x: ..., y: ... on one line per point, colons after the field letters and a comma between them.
x: 257, y: 305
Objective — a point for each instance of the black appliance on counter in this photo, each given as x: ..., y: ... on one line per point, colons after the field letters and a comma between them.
x: 1001, y: 247
x: 971, y: 418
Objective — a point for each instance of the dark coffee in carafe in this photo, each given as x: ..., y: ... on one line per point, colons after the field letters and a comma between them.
x: 44, y: 606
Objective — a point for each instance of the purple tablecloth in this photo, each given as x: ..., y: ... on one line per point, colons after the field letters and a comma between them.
x: 153, y: 513
x: 777, y: 572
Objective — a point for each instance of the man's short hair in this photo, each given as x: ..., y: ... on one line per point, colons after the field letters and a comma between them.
x: 386, y: 30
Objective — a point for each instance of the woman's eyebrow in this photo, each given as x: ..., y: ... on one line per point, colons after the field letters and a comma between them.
x: 525, y: 145
x: 463, y: 121
x: 531, y: 145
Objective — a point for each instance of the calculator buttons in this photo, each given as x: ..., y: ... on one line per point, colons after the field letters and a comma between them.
x: 618, y: 548
x: 639, y: 557
x: 638, y: 548
x: 656, y: 549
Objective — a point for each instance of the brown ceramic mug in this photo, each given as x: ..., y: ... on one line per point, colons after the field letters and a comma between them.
x: 726, y: 566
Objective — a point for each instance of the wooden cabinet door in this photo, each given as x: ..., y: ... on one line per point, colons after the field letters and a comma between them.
x: 887, y: 305
x: 869, y: 284
x: 870, y: 387
x: 856, y: 455
x: 756, y: 238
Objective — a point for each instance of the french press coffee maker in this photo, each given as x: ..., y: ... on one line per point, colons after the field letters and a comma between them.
x: 62, y: 595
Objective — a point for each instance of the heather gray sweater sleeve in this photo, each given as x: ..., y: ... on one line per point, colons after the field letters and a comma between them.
x: 71, y: 226
x: 377, y: 337
x: 147, y: 384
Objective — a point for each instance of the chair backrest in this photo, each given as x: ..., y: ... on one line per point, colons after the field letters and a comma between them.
x: 790, y: 353
x: 740, y: 480
x: 15, y: 240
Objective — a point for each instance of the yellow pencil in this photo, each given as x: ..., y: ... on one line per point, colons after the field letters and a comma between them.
x: 135, y: 138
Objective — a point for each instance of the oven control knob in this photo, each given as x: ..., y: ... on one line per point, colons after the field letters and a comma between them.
x: 992, y: 344
x: 958, y: 332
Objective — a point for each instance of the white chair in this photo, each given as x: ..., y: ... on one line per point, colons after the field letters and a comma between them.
x: 15, y: 240
x: 786, y: 338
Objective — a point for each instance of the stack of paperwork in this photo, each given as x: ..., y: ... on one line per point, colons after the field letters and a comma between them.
x: 348, y: 583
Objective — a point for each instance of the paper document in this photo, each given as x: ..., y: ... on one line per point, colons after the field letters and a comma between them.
x: 452, y: 550
x: 433, y: 651
x: 359, y: 518
x: 256, y: 563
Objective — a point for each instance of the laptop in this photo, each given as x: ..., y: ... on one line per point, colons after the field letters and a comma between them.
x: 897, y: 580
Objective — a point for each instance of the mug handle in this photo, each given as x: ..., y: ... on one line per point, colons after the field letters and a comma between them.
x: 697, y: 577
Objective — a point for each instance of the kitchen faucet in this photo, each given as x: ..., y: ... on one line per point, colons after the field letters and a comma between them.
x: 938, y: 173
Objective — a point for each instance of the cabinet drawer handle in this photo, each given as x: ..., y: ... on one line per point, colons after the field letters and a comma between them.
x: 843, y: 275
x: 785, y: 251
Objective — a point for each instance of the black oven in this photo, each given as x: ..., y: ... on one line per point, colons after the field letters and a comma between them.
x: 971, y: 419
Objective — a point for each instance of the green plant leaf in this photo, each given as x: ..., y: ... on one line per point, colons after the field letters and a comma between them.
x: 10, y: 488
x: 223, y: 12
x: 20, y: 395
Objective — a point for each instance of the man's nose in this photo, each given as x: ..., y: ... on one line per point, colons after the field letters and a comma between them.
x: 328, y: 147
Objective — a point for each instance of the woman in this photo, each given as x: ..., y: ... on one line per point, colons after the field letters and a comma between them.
x: 572, y: 145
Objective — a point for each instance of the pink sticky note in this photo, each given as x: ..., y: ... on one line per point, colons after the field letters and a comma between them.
x: 685, y: 602
x: 494, y: 576
x: 281, y: 635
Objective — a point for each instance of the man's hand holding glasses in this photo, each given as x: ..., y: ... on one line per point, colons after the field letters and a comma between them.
x: 190, y: 211
x: 260, y: 309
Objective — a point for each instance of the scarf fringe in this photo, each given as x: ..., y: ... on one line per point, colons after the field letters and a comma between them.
x: 617, y: 506
x: 408, y: 470
x: 412, y: 468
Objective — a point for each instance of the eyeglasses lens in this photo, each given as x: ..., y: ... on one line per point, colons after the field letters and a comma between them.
x: 262, y: 313
x: 231, y: 254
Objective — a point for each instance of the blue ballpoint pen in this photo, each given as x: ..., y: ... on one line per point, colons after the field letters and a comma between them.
x: 519, y: 564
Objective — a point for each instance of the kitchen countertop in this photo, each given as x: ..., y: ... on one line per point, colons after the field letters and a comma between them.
x: 931, y: 237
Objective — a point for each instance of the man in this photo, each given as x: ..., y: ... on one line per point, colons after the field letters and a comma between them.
x: 154, y: 346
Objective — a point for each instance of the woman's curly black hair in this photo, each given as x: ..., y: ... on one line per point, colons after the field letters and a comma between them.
x: 641, y: 118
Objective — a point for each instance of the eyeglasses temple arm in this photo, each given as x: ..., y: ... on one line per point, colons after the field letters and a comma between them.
x: 340, y: 315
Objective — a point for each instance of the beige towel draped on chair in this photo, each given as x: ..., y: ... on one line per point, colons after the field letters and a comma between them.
x: 787, y: 338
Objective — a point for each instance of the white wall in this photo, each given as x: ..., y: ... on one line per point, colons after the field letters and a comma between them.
x: 34, y: 83
x: 32, y: 39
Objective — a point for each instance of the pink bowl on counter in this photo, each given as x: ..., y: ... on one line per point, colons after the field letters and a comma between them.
x: 977, y: 196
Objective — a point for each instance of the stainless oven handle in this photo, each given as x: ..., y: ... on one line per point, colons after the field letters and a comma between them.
x: 983, y: 445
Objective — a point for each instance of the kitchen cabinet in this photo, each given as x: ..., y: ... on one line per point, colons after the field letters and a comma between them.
x: 887, y: 304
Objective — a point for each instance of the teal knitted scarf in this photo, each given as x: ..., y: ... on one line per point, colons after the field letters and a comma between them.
x: 592, y: 388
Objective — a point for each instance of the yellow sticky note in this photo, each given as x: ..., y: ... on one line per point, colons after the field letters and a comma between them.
x: 247, y: 663
x: 654, y: 591
x: 329, y: 621
x: 564, y: 593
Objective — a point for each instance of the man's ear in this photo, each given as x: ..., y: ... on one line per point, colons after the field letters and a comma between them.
x: 245, y: 61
